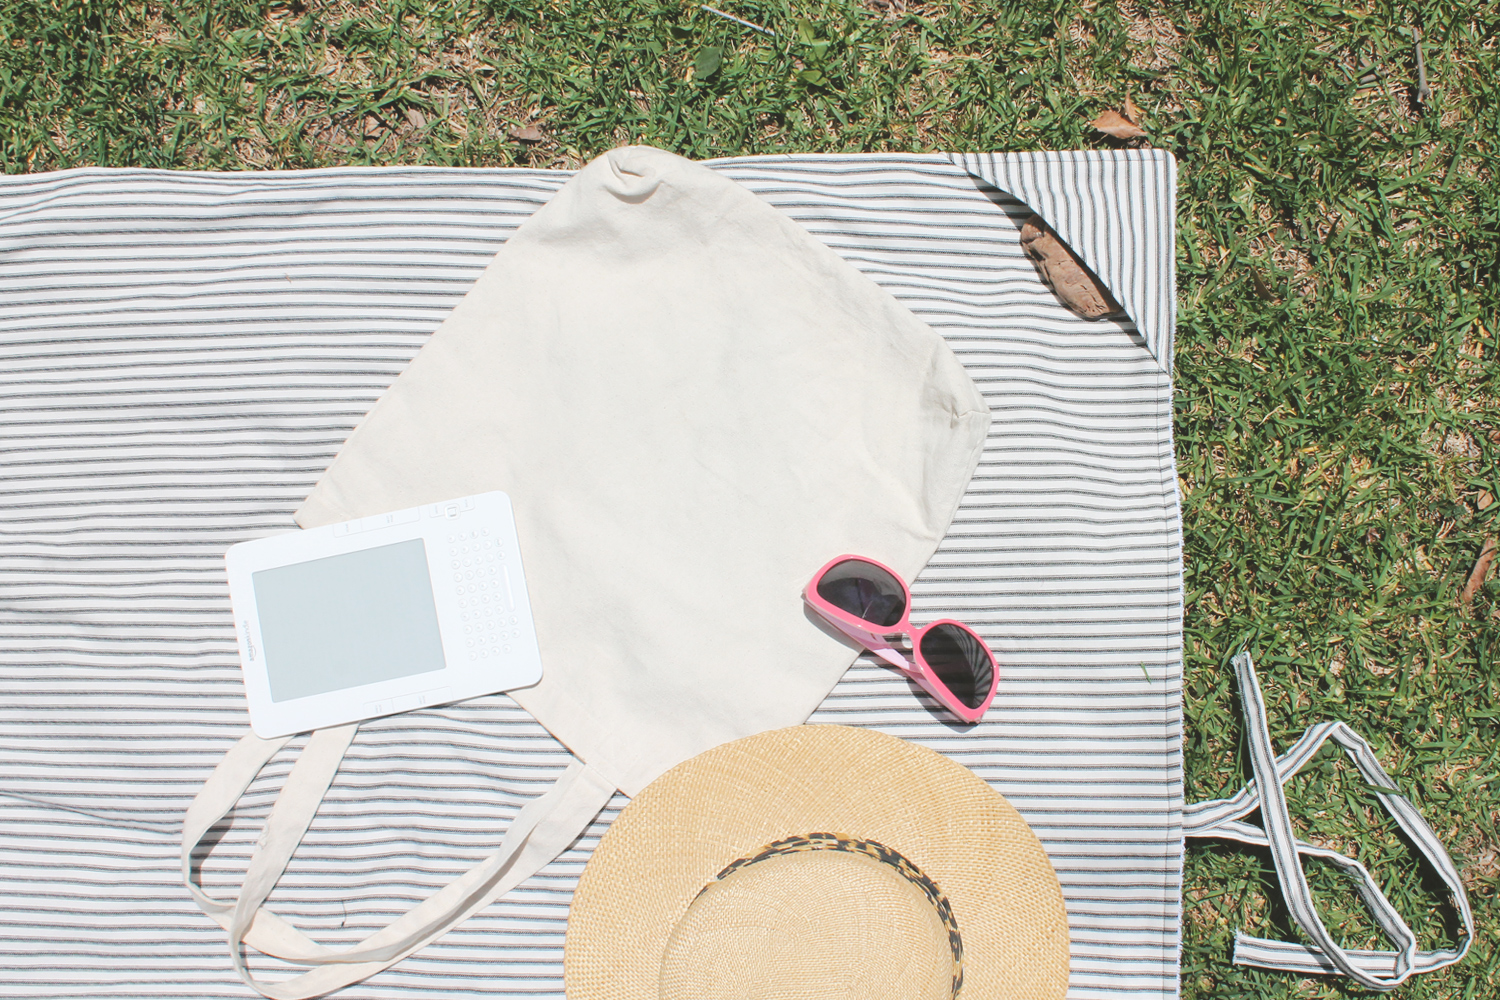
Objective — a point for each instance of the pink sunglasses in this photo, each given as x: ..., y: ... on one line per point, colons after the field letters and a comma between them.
x: 868, y: 602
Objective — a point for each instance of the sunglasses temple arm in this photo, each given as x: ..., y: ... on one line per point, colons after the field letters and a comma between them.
x: 874, y: 643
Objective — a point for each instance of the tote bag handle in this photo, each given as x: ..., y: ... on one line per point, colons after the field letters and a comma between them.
x: 1376, y: 970
x: 542, y: 830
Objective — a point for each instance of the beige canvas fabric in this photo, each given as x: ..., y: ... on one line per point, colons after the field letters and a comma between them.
x: 693, y: 405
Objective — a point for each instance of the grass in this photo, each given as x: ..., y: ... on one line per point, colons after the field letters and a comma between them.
x: 1339, y: 252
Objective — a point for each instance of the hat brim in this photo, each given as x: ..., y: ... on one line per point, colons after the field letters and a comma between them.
x: 730, y: 802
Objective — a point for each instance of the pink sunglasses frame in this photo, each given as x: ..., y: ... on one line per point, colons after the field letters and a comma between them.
x: 876, y: 642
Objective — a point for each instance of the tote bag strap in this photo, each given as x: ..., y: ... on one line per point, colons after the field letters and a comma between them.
x: 1376, y: 970
x: 542, y: 830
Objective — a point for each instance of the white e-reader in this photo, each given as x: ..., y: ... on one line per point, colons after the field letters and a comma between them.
x: 382, y: 614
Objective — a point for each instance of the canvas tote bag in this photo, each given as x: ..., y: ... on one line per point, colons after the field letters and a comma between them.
x: 693, y: 405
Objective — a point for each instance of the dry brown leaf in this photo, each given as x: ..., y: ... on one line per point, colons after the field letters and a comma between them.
x: 1115, y: 124
x: 1132, y: 113
x: 1064, y: 273
x: 1261, y: 288
x: 528, y: 134
x: 1480, y: 571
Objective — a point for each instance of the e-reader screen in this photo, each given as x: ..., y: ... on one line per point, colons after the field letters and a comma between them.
x: 348, y: 620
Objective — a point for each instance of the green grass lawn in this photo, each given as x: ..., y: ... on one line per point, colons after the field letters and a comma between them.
x: 1339, y: 288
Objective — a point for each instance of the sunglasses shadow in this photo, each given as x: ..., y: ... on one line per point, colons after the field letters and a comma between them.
x: 937, y: 711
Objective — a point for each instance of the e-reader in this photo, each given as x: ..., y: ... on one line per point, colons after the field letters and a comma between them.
x: 382, y: 614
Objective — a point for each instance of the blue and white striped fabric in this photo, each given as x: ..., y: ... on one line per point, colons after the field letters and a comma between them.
x: 1115, y: 211
x: 1225, y: 818
x: 183, y: 355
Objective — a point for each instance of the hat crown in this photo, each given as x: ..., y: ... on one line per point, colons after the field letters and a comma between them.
x: 821, y: 918
x: 654, y: 916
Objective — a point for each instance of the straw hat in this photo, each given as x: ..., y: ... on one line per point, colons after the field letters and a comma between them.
x: 818, y: 862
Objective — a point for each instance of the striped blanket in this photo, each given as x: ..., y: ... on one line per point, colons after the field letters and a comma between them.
x: 184, y: 353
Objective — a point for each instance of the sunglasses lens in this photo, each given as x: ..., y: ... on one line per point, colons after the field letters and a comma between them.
x: 867, y: 592
x: 960, y: 661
